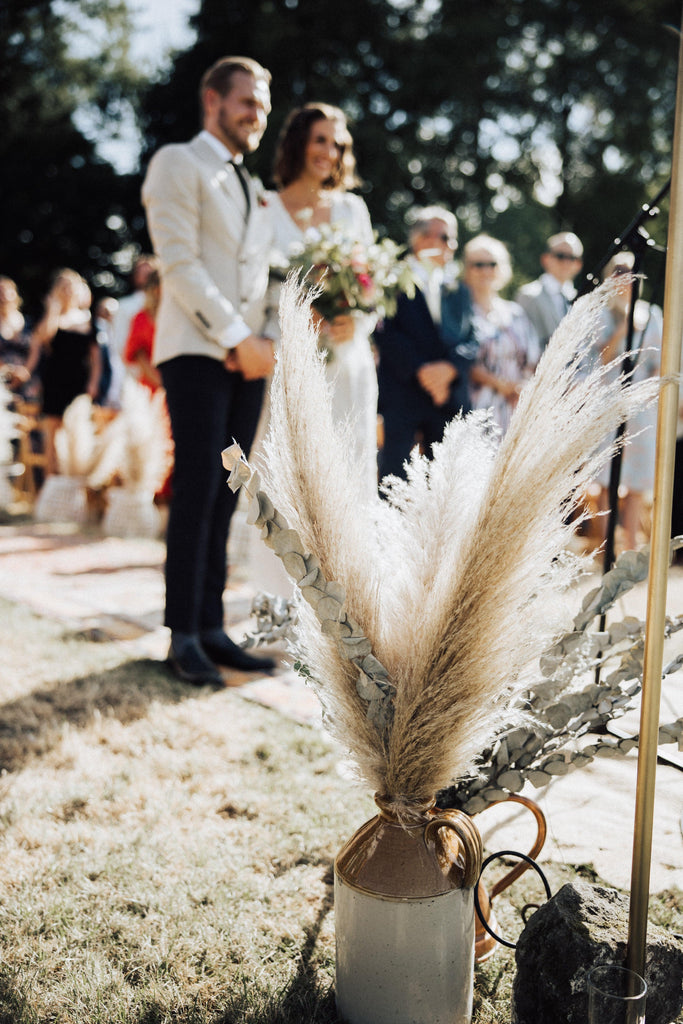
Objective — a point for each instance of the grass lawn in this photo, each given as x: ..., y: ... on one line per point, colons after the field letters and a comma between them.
x: 166, y: 853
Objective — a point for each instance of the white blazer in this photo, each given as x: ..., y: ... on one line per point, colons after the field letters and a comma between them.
x: 214, y: 261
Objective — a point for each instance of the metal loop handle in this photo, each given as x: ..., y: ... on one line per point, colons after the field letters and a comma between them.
x: 529, y: 863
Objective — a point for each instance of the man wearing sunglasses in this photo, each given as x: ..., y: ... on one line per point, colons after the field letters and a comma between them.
x: 427, y: 348
x: 548, y: 298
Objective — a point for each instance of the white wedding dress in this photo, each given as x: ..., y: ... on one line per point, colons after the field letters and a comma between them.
x: 351, y: 370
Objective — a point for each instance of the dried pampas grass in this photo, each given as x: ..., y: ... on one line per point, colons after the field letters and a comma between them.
x: 147, y: 448
x: 454, y: 579
x: 8, y: 432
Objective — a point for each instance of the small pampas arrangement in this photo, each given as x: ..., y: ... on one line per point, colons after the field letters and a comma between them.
x: 63, y: 497
x: 423, y: 614
x: 8, y: 432
x: 146, y: 457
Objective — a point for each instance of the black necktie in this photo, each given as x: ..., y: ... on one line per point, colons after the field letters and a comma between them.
x: 241, y: 175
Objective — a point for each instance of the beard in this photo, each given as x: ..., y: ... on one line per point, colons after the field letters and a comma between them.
x: 235, y: 137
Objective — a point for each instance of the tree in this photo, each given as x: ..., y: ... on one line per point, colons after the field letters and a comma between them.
x: 524, y: 116
x: 63, y: 205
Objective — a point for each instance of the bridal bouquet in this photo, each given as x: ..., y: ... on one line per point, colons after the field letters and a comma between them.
x: 346, y: 276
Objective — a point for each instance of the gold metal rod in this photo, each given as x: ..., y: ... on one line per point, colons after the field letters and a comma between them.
x: 667, y: 417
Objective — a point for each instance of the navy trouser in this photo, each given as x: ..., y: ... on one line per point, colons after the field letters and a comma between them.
x: 208, y: 407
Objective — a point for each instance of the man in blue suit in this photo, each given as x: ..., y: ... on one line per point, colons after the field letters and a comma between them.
x: 426, y: 349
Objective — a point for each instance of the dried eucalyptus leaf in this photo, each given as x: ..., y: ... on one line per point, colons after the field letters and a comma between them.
x: 356, y: 646
x: 373, y: 667
x: 607, y: 751
x: 288, y: 540
x: 312, y: 576
x: 294, y: 564
x: 538, y: 779
x: 512, y: 781
x: 336, y: 591
x: 558, y: 716
x: 367, y: 689
x: 329, y: 608
x: 254, y: 513
x: 265, y: 504
x: 312, y: 595
x: 556, y: 767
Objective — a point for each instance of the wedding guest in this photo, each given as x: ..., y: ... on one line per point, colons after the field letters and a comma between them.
x: 13, y: 337
x: 426, y: 349
x: 508, y: 344
x: 546, y: 300
x: 139, y: 354
x: 314, y: 169
x: 104, y: 313
x: 210, y: 234
x: 139, y: 348
x: 638, y: 456
x: 128, y: 307
x: 65, y: 352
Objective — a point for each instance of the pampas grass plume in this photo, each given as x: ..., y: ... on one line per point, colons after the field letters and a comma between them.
x: 456, y: 576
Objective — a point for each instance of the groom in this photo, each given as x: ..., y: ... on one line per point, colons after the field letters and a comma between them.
x: 211, y: 238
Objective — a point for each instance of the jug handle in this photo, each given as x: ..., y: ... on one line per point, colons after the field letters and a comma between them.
x: 519, y: 869
x: 468, y: 834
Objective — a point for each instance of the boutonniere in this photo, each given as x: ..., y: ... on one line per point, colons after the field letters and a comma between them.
x: 261, y: 195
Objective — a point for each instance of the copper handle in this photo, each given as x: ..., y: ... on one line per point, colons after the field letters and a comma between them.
x: 468, y: 834
x: 522, y: 866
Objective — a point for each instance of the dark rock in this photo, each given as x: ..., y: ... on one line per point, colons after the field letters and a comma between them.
x: 580, y: 927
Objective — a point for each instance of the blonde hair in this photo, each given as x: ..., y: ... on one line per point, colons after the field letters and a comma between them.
x: 498, y: 251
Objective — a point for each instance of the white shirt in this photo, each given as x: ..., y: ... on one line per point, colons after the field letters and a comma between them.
x: 430, y: 280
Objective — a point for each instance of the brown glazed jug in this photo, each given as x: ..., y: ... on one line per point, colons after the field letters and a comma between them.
x: 404, y: 918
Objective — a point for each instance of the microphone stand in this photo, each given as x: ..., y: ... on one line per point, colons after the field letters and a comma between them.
x: 633, y: 239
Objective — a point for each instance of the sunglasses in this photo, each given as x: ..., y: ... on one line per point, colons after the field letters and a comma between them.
x: 621, y: 270
x: 564, y: 256
x: 483, y: 265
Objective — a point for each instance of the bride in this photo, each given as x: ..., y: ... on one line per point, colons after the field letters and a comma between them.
x: 314, y: 167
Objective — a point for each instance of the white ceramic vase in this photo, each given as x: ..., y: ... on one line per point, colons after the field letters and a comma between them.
x: 131, y: 513
x: 404, y: 920
x: 62, y: 499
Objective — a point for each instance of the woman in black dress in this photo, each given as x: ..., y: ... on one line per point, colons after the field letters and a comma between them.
x: 64, y: 352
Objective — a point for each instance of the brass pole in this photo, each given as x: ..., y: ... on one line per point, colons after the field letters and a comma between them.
x: 667, y: 417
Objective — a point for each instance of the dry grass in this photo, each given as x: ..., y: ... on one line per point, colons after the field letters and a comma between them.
x: 166, y: 854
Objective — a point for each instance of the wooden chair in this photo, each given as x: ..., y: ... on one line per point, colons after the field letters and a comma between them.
x: 31, y: 449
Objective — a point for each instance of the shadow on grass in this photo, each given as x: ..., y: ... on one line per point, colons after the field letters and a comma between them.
x: 14, y: 1007
x: 31, y: 725
x: 308, y: 996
